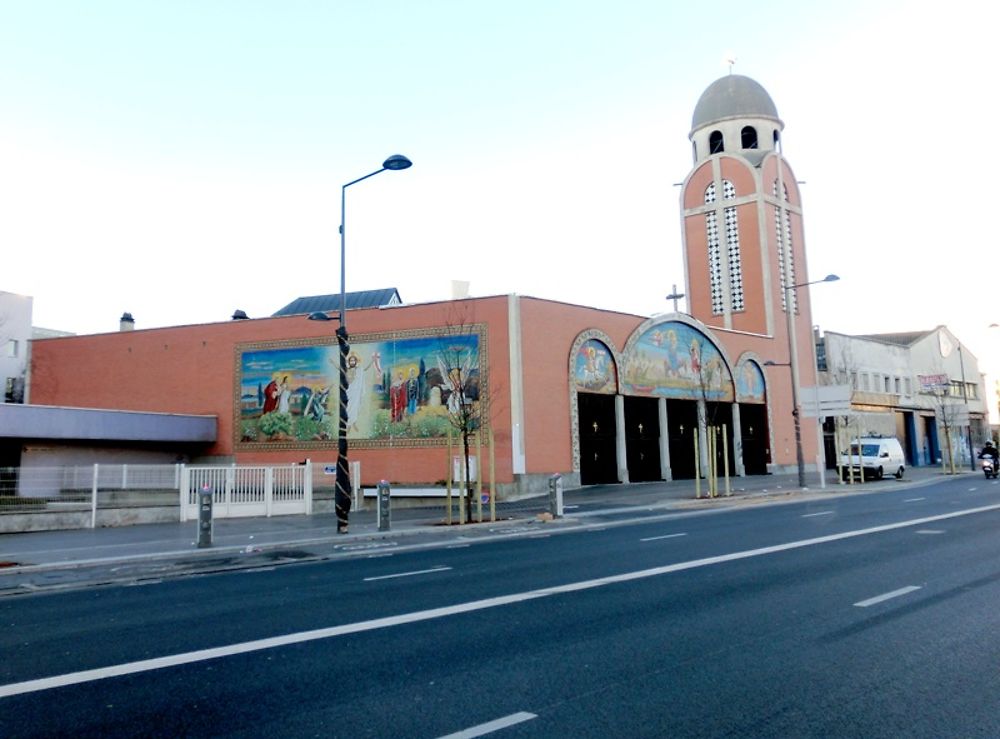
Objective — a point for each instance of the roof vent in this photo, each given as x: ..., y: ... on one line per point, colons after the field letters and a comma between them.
x: 126, y: 322
x: 239, y: 315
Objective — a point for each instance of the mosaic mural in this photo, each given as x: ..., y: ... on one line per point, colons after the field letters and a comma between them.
x: 675, y: 360
x: 749, y: 383
x: 400, y: 388
x: 594, y: 368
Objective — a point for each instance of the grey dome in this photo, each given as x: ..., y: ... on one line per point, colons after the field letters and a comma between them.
x: 733, y: 96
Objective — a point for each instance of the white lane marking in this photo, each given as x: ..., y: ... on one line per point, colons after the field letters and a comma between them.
x: 665, y: 536
x: 491, y: 726
x: 887, y: 596
x: 458, y: 546
x: 913, y: 500
x: 930, y: 531
x: 818, y: 513
x: 406, y: 574
x: 570, y: 507
x: 201, y: 655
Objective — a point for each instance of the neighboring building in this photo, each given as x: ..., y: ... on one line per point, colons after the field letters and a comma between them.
x: 15, y: 334
x: 923, y: 387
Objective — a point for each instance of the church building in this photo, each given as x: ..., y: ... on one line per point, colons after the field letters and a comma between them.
x: 594, y: 395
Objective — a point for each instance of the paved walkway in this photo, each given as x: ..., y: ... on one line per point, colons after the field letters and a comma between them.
x: 32, y: 560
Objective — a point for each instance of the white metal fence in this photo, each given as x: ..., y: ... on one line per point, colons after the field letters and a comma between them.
x: 237, y: 490
x: 248, y: 490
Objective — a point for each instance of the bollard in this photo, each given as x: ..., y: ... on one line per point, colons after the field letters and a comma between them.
x: 383, y: 505
x: 205, y: 521
x: 556, y: 496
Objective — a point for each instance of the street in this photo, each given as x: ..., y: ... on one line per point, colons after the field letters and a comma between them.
x: 865, y: 616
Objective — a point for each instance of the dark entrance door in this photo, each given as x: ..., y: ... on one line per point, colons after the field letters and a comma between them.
x: 598, y: 464
x: 720, y: 415
x: 642, y: 439
x: 682, y: 425
x: 753, y: 427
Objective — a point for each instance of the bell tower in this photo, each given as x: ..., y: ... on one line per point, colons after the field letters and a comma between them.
x: 741, y: 212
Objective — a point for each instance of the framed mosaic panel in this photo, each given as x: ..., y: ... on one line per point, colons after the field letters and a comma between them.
x: 402, y: 389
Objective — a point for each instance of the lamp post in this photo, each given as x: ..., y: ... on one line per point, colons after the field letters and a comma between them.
x: 793, y: 363
x: 342, y: 494
x: 968, y: 415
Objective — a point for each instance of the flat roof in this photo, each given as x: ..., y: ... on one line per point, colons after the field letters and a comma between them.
x: 22, y: 421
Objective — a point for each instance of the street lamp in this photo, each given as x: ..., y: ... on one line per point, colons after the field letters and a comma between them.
x: 793, y: 363
x: 342, y: 494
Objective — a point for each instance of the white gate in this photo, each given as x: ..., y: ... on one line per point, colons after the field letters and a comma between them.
x: 248, y: 490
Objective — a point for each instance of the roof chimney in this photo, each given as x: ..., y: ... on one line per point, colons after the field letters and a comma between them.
x: 126, y: 322
x: 239, y: 315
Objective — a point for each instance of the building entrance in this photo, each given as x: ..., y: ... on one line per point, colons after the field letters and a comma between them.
x: 753, y: 428
x: 720, y: 416
x: 598, y: 463
x: 682, y: 426
x: 642, y: 439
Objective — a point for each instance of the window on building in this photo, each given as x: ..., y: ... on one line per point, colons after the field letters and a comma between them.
x: 783, y: 234
x: 888, y: 383
x: 715, y: 143
x: 899, y: 385
x: 733, y: 244
x: 734, y: 260
x: 864, y: 383
x: 11, y: 349
x: 748, y: 137
x: 908, y: 385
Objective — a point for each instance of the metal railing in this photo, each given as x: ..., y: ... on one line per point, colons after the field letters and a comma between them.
x: 262, y: 490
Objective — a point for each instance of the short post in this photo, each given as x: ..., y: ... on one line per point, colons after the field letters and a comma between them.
x: 93, y: 497
x: 556, y: 496
x: 205, y: 517
x: 697, y: 468
x: 384, y: 508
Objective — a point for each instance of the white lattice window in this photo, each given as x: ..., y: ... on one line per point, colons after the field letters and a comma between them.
x: 733, y: 242
x: 783, y: 236
x: 714, y: 252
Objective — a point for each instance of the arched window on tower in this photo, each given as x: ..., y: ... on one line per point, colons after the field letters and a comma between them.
x: 733, y: 244
x: 734, y: 261
x: 715, y: 143
x: 748, y: 137
x: 783, y: 238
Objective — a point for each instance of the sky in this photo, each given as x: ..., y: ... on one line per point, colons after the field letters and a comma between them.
x: 182, y: 159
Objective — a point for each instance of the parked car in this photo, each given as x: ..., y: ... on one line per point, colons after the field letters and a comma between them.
x: 879, y: 456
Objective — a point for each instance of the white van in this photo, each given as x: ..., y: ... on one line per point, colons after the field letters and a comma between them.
x: 880, y: 456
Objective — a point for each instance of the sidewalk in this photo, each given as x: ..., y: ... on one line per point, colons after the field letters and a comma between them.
x: 36, y: 560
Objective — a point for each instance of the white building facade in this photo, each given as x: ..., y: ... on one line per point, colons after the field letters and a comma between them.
x: 15, y: 335
x: 923, y: 387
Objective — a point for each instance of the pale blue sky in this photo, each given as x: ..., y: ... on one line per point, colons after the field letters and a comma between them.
x: 179, y: 160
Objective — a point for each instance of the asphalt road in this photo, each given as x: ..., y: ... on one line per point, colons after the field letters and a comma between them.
x: 859, y: 616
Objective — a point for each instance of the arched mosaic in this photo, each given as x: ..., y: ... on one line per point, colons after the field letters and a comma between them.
x: 594, y: 369
x: 749, y: 382
x: 675, y: 360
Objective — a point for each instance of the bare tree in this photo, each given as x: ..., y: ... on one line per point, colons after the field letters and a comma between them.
x: 949, y: 410
x: 465, y: 390
x: 844, y: 371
